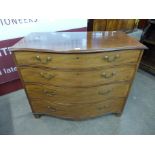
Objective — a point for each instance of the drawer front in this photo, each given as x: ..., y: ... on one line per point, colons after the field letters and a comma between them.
x: 66, y: 61
x: 77, y: 111
x: 70, y: 96
x: 77, y: 79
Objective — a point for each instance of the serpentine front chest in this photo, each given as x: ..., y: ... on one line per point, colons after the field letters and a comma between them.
x: 77, y: 75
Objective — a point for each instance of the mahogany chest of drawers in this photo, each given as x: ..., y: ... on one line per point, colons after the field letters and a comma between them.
x: 77, y: 75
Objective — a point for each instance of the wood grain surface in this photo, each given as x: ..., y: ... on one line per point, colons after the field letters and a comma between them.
x: 76, y: 61
x: 69, y: 96
x: 77, y: 112
x: 77, y: 42
x: 77, y: 78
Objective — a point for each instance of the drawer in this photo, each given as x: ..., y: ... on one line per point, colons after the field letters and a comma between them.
x: 77, y: 78
x: 70, y: 96
x: 72, y: 61
x: 76, y: 111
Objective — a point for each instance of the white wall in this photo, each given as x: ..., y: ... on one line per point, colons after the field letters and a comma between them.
x: 14, y: 28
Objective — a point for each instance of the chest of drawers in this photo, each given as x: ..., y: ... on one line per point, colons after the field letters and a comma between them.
x: 77, y: 75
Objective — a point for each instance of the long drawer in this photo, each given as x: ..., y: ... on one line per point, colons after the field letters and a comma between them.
x: 77, y: 78
x: 76, y: 111
x: 72, y: 96
x: 76, y: 60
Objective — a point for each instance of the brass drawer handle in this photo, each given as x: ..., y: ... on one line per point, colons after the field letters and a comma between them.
x: 104, y: 107
x: 108, y: 75
x: 51, y: 109
x: 48, y: 59
x: 104, y: 93
x: 111, y: 59
x: 48, y: 93
x: 38, y: 58
x: 47, y: 76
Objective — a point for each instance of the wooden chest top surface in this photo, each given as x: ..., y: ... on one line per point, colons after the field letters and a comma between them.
x: 77, y: 42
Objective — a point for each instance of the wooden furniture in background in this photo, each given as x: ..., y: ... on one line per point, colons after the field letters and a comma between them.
x: 111, y: 24
x: 77, y: 75
x: 148, y: 38
x: 142, y: 24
